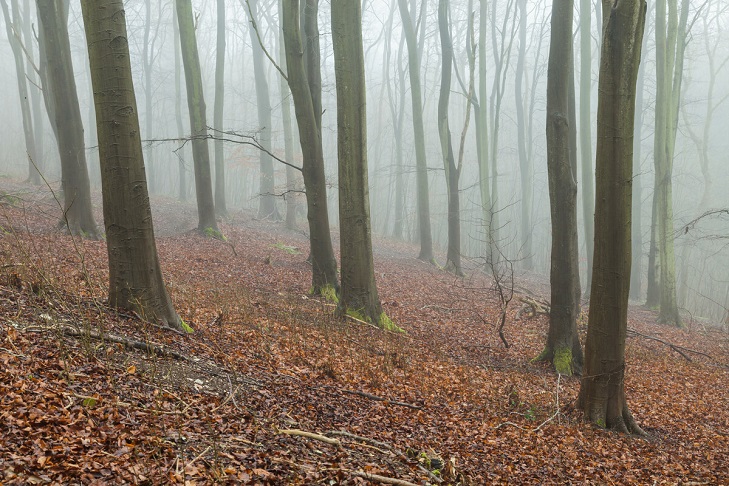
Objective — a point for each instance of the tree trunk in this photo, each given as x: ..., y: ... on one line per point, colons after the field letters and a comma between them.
x: 220, y: 206
x: 39, y: 164
x: 602, y: 391
x: 324, y: 265
x: 288, y: 132
x: 525, y: 163
x: 421, y: 164
x: 13, y: 29
x: 135, y: 278
x: 267, y: 202
x: 588, y: 192
x: 563, y: 345
x: 198, y: 121
x: 453, y: 256
x: 67, y: 118
x: 359, y: 291
x: 182, y: 170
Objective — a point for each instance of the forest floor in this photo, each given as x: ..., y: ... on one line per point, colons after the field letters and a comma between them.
x: 272, y: 388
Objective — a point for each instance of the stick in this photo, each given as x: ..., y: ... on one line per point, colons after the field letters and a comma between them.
x: 675, y: 347
x: 310, y: 435
x: 130, y: 343
x: 382, y: 479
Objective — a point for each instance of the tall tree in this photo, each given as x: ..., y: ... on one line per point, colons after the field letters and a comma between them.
x: 135, y: 278
x: 149, y: 57
x: 324, y: 265
x: 602, y: 391
x: 453, y: 256
x: 525, y: 161
x: 421, y: 163
x: 670, y: 47
x: 53, y: 15
x: 198, y: 121
x: 563, y: 347
x: 482, y: 132
x: 267, y: 201
x: 220, y: 206
x: 36, y: 95
x: 285, y: 93
x: 13, y: 28
x: 182, y: 170
x: 358, y: 291
x: 588, y: 192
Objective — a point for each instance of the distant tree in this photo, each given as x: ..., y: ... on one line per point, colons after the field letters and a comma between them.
x: 150, y: 53
x: 267, y: 201
x: 198, y: 120
x: 285, y: 93
x: 220, y: 206
x: 324, y: 265
x: 421, y: 163
x: 13, y: 28
x: 602, y: 391
x: 585, y: 129
x: 563, y: 347
x: 670, y: 48
x: 182, y: 170
x: 66, y: 116
x: 135, y: 278
x: 358, y: 291
x: 452, y: 172
x: 482, y: 130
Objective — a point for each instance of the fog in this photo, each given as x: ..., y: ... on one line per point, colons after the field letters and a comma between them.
x: 702, y: 258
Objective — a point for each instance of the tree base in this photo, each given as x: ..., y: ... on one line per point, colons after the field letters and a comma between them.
x: 562, y: 360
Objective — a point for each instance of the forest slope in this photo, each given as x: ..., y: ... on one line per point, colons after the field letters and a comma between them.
x: 267, y: 361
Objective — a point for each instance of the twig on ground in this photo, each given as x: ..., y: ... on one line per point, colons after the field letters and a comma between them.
x: 679, y: 349
x: 310, y: 435
x: 382, y: 479
x: 381, y: 399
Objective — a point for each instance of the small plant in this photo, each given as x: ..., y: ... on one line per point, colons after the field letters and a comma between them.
x: 186, y: 327
x: 214, y: 233
x: 291, y: 250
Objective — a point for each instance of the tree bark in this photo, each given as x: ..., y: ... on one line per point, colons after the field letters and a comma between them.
x: 198, y: 120
x: 563, y: 345
x: 67, y: 119
x: 288, y: 132
x: 526, y: 168
x: 602, y: 390
x: 182, y: 170
x: 135, y: 278
x: 324, y: 265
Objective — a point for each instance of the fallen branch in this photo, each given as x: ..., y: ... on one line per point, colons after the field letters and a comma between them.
x: 130, y: 343
x: 382, y: 479
x: 381, y: 399
x: 311, y: 435
x: 679, y: 349
x: 532, y: 307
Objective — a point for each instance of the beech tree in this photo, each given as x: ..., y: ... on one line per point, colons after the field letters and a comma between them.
x: 421, y: 164
x: 135, y: 278
x: 66, y: 117
x: 324, y: 265
x: 602, y: 390
x: 13, y: 29
x: 358, y: 294
x: 198, y: 120
x: 220, y: 206
x: 563, y: 347
x: 588, y: 192
x: 267, y: 201
x: 452, y: 172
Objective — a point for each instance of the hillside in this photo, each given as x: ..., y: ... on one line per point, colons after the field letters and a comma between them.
x: 271, y: 388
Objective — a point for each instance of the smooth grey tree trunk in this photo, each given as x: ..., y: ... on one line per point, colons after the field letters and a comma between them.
x: 588, y: 191
x: 602, y: 390
x: 563, y: 347
x: 77, y: 215
x: 135, y: 277
x: 220, y: 205
x: 182, y: 170
x: 198, y: 120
